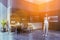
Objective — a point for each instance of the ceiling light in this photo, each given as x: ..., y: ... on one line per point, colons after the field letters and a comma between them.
x: 38, y: 1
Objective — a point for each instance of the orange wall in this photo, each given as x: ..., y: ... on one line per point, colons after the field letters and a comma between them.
x: 30, y: 9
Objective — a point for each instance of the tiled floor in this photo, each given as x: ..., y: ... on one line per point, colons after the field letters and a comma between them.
x: 35, y: 35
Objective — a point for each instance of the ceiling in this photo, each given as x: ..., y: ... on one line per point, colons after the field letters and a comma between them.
x: 4, y: 2
x: 35, y: 7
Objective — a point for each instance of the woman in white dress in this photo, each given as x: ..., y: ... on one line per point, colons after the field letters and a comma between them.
x: 46, y: 25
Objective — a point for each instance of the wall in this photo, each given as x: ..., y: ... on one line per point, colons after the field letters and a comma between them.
x: 3, y: 12
x: 34, y: 10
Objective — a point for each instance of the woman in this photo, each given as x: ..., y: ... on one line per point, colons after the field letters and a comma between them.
x: 46, y: 25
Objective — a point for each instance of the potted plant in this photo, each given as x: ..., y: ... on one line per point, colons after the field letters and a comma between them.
x: 3, y: 22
